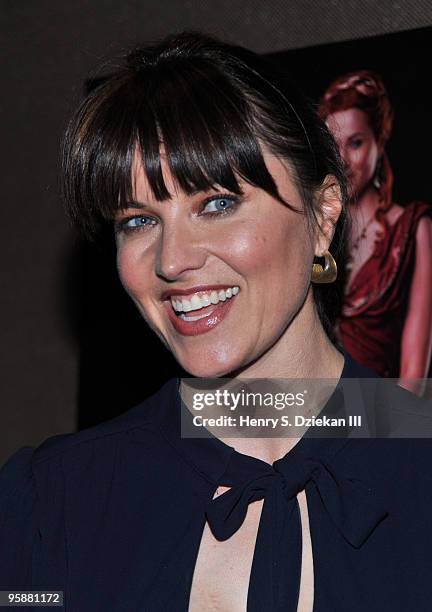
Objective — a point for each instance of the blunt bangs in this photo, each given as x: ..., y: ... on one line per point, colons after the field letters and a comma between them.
x: 211, y: 108
x: 205, y: 124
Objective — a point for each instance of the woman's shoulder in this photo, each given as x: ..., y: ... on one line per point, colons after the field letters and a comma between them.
x: 397, y: 436
x: 392, y: 454
x: 394, y: 411
x: 18, y: 518
x: 16, y: 474
x: 73, y: 449
x: 409, y: 416
x: 413, y: 211
x: 396, y: 418
x: 73, y: 472
x: 394, y: 212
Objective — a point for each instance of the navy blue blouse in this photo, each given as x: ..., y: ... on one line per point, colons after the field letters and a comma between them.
x: 114, y: 515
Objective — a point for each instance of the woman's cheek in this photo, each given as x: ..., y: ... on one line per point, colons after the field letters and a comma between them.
x: 372, y: 161
x: 369, y: 160
x: 242, y: 247
x: 255, y: 241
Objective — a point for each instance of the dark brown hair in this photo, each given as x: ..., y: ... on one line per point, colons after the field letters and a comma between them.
x: 211, y: 104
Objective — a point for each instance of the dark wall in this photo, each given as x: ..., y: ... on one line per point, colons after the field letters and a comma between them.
x: 49, y: 50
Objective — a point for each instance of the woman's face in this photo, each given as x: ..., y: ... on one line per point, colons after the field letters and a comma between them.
x: 358, y: 147
x: 218, y: 277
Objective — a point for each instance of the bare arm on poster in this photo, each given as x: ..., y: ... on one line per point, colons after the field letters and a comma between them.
x: 416, y: 341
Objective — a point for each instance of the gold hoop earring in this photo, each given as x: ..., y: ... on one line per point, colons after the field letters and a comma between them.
x: 328, y: 274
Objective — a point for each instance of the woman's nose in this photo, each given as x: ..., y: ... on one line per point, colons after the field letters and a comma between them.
x: 178, y: 251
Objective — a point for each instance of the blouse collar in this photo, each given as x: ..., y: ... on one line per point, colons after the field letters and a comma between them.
x: 211, y: 456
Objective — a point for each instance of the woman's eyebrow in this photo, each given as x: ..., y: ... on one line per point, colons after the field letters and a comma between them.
x: 135, y: 204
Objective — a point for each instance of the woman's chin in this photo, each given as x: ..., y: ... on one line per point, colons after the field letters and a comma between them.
x: 209, y: 367
x: 210, y: 371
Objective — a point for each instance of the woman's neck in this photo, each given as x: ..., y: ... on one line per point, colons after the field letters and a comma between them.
x: 367, y: 203
x: 303, y: 352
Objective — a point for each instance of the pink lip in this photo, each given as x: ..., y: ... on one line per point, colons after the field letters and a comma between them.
x: 166, y: 294
x: 206, y: 324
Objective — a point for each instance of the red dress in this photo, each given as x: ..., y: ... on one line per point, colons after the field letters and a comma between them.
x: 375, y: 306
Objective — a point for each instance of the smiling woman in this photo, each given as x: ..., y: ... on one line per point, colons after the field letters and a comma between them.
x: 195, y: 261
x: 222, y: 185
x: 212, y: 116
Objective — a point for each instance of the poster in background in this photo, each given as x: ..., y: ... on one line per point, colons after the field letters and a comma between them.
x: 383, y: 324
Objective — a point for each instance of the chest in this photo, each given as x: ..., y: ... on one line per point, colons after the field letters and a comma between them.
x: 364, y: 236
x: 222, y: 571
x: 362, y: 245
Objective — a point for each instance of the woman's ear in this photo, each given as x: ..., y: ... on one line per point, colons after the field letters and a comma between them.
x: 328, y: 207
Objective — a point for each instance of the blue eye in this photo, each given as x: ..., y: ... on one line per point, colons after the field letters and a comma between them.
x: 219, y: 204
x: 139, y: 221
x: 135, y: 223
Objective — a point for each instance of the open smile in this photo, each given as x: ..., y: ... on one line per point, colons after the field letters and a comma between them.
x: 193, y: 313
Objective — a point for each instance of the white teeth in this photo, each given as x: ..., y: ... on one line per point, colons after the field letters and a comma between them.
x: 186, y: 305
x: 196, y: 302
x: 186, y: 318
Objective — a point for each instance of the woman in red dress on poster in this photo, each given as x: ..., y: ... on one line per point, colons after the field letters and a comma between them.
x: 386, y: 321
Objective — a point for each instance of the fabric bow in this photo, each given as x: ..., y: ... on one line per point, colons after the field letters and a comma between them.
x: 354, y: 508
